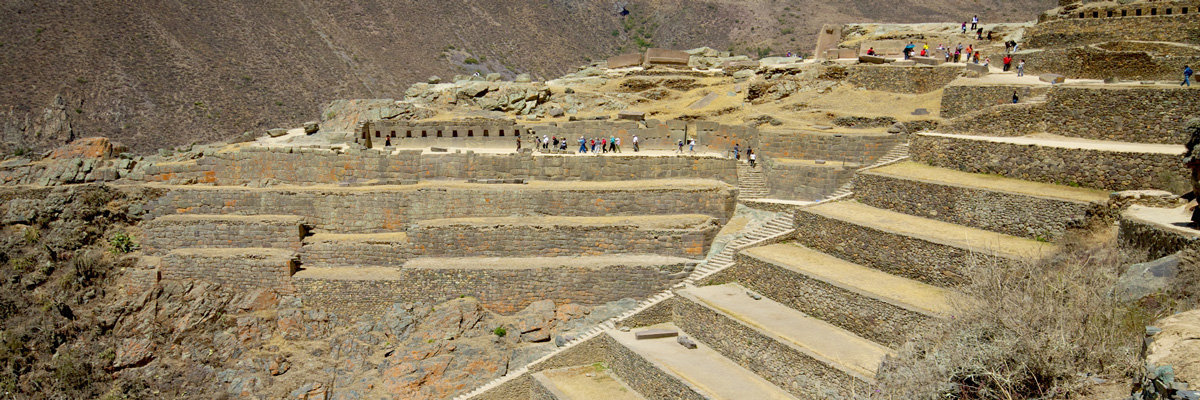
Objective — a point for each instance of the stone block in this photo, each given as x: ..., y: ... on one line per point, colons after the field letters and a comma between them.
x: 872, y: 59
x: 625, y: 60
x: 904, y: 63
x: 847, y: 53
x: 277, y: 132
x: 980, y: 68
x: 631, y: 115
x: 686, y: 342
x: 928, y: 60
x: 655, y: 333
x: 667, y: 57
x: 1052, y: 78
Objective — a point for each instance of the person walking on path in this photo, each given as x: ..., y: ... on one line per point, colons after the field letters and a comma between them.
x: 680, y: 146
x: 603, y: 145
x: 753, y: 157
x: 964, y: 27
x: 1007, y: 62
x: 736, y: 156
x: 617, y: 145
x: 979, y: 34
x: 692, y: 145
x: 582, y: 145
x: 974, y: 21
x: 1021, y: 68
x: 1187, y: 76
x: 635, y: 143
x: 1015, y: 98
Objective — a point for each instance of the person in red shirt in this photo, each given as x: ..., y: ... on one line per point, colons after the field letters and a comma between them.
x: 1007, y: 62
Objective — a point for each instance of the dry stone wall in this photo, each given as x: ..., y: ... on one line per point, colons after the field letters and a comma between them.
x: 862, y: 148
x: 1155, y: 239
x: 500, y: 240
x: 902, y: 79
x: 235, y: 269
x: 1017, y: 215
x: 1096, y: 62
x: 959, y: 100
x: 310, y: 166
x: 390, y: 250
x: 645, y: 377
x: 1073, y: 167
x: 175, y: 231
x: 501, y: 290
x: 1120, y: 113
x: 359, y: 210
x: 799, y: 180
x: 1184, y: 28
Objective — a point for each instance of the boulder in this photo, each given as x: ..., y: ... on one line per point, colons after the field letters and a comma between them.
x: 1052, y: 78
x: 555, y: 112
x: 704, y: 51
x: 311, y: 127
x: 667, y: 57
x: 1176, y: 345
x: 493, y: 77
x: 434, y: 79
x: 523, y: 78
x: 632, y: 115
x: 1144, y: 279
x: 872, y: 59
x: 928, y: 60
x: 277, y: 132
x: 625, y: 60
x: 744, y: 74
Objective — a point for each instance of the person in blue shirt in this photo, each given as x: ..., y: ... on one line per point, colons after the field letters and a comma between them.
x: 1187, y: 76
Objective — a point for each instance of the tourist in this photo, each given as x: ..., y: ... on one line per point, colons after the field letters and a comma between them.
x: 582, y: 145
x: 964, y: 27
x: 1021, y: 68
x: 987, y: 62
x: 603, y: 145
x: 545, y: 143
x: 692, y: 145
x: 1187, y: 76
x: 1007, y: 62
x: 979, y: 34
x: 947, y: 55
x: 1192, y: 161
x: 736, y: 156
x: 975, y: 58
x: 753, y: 157
x: 908, y: 50
x: 923, y: 52
x: 612, y: 143
x: 635, y: 143
x: 989, y: 36
x: 957, y: 54
x: 593, y: 143
x: 974, y: 21
x: 680, y: 146
x: 1015, y: 98
x: 871, y: 51
x: 554, y: 140
x: 1014, y: 46
x: 562, y: 145
x: 518, y: 144
x: 387, y: 142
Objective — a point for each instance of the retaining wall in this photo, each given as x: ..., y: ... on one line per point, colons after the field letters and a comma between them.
x: 1073, y: 167
x: 1157, y: 240
x: 1013, y: 214
x: 804, y: 180
x: 1094, y: 62
x: 862, y: 148
x: 501, y: 290
x: 1125, y: 113
x: 1078, y: 32
x: 308, y: 166
x: 353, y: 210
x: 389, y: 249
x: 551, y: 240
x: 234, y: 269
x: 962, y: 99
x: 902, y: 79
x: 175, y: 231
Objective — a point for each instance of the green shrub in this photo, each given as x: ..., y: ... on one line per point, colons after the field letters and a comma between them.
x: 470, y: 60
x: 121, y: 243
x: 32, y: 234
x: 500, y: 331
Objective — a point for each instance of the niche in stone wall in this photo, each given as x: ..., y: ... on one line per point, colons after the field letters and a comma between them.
x: 407, y: 134
x: 485, y: 133
x: 1168, y: 11
x: 1138, y: 12
x: 1124, y: 13
x: 393, y: 133
x: 1095, y: 14
x: 1110, y: 13
x: 439, y: 133
x: 377, y: 134
x: 501, y: 132
x: 1154, y: 11
x: 470, y: 133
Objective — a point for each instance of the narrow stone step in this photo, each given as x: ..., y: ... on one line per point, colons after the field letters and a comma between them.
x: 667, y: 370
x: 806, y: 356
x: 917, y: 248
x: 581, y: 383
x: 991, y: 202
x: 878, y: 306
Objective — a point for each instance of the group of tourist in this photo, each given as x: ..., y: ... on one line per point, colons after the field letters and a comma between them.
x: 750, y: 156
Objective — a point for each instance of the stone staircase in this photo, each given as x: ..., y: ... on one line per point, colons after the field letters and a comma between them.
x: 898, y: 153
x: 779, y: 226
x: 751, y: 184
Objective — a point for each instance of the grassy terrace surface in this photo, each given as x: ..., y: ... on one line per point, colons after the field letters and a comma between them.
x: 944, y: 176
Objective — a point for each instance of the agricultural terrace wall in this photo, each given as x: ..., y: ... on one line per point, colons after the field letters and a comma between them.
x: 652, y: 134
x: 1074, y: 32
x: 902, y: 79
x: 792, y: 179
x: 449, y: 238
x: 175, y: 231
x: 1094, y: 62
x: 1154, y: 238
x: 503, y: 290
x: 309, y: 166
x: 862, y: 148
x: 1126, y: 113
x: 1083, y: 167
x: 965, y: 98
x: 392, y: 208
x: 236, y: 269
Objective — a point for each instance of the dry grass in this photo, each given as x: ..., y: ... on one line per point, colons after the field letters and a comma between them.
x: 1034, y: 331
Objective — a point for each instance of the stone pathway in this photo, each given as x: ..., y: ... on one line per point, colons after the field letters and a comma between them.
x: 1047, y: 140
x: 751, y: 184
x: 944, y: 176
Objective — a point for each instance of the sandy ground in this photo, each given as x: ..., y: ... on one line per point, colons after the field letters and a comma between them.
x: 917, y: 171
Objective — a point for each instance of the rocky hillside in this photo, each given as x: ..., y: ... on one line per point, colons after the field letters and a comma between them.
x: 158, y: 74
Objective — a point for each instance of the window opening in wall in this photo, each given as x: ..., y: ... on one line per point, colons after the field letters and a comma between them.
x: 407, y: 133
x: 423, y: 134
x: 485, y: 133
x: 501, y: 132
x: 1153, y: 11
x: 454, y: 133
x: 1081, y: 15
x: 393, y: 133
x: 1168, y: 11
x: 376, y: 133
x: 364, y: 135
x: 1095, y: 14
x: 1138, y: 12
x: 1110, y: 13
x: 1124, y: 12
x: 470, y: 133
x: 1183, y: 11
x: 439, y: 133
